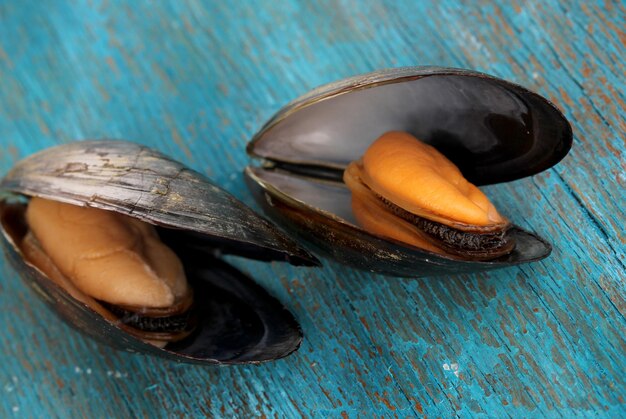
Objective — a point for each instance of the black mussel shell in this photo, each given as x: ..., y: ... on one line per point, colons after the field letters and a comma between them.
x: 320, y: 213
x: 238, y: 321
x: 135, y: 180
x: 493, y: 130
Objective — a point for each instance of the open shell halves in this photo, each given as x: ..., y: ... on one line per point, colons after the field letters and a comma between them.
x: 238, y: 322
x: 491, y: 129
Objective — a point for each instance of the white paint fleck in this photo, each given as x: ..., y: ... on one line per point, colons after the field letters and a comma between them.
x: 88, y: 371
x: 535, y: 75
x: 117, y: 374
x: 473, y: 42
x: 14, y: 378
x: 77, y: 370
x: 454, y: 367
x: 8, y: 388
x: 152, y: 387
x: 16, y: 408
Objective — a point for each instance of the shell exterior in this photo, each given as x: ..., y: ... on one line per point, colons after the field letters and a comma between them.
x: 238, y: 321
x: 493, y: 130
x: 138, y: 181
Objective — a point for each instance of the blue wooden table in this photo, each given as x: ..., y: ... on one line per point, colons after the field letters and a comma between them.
x: 197, y: 79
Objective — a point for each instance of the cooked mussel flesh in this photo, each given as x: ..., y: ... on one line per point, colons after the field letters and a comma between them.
x: 115, y: 264
x: 405, y: 189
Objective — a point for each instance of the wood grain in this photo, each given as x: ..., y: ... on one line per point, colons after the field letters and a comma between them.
x: 197, y: 79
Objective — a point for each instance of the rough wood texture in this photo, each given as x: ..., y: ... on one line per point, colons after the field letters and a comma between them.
x: 196, y: 79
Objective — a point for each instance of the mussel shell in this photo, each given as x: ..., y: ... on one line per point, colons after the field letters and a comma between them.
x: 493, y: 130
x: 140, y: 182
x: 331, y: 228
x: 238, y: 321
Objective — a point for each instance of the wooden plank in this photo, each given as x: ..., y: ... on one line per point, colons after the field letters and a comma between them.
x: 197, y: 79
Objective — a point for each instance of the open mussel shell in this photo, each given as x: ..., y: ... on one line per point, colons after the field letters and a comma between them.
x: 493, y: 130
x: 238, y: 322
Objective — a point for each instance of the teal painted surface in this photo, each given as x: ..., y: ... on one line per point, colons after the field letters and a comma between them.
x: 197, y: 79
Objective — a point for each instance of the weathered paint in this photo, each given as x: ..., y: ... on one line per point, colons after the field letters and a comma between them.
x: 197, y: 79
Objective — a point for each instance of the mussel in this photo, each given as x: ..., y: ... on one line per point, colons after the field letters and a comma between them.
x: 492, y: 130
x: 124, y: 243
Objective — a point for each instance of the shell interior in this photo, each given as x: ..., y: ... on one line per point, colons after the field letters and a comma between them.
x: 493, y: 130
